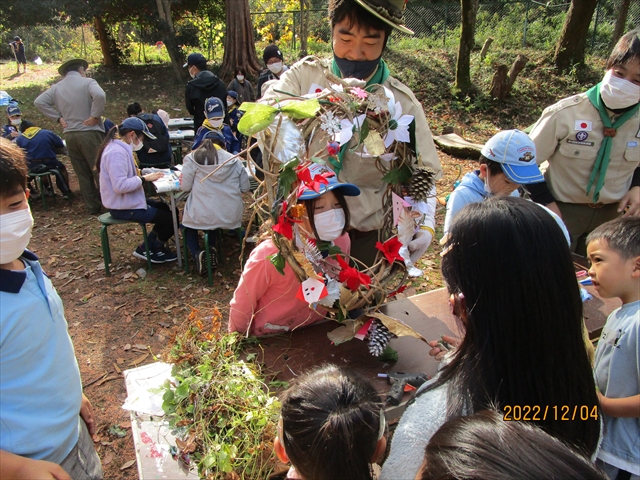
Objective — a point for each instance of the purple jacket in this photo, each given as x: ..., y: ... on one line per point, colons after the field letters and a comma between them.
x: 120, y: 185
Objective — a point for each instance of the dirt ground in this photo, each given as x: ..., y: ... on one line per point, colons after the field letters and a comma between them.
x: 126, y: 319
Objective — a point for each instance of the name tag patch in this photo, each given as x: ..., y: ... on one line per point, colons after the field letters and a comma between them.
x: 584, y: 125
x: 632, y: 144
x: 578, y: 142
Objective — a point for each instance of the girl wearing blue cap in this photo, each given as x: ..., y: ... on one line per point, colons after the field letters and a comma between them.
x: 265, y: 301
x: 122, y: 192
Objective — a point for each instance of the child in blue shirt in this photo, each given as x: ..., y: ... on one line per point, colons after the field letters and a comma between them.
x: 46, y: 420
x: 614, y: 252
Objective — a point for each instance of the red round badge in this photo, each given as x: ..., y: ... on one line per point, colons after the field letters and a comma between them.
x: 583, y: 125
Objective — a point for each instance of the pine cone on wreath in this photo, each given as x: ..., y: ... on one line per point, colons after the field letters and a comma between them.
x: 422, y: 181
x: 379, y: 337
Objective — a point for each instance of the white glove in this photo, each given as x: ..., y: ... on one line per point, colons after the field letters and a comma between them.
x: 419, y: 244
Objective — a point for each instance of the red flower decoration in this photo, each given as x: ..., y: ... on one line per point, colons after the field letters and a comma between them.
x: 285, y: 223
x: 391, y: 249
x: 307, y: 182
x: 333, y: 148
x: 351, y: 276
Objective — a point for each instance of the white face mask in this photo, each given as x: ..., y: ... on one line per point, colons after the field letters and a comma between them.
x: 617, y: 92
x: 487, y: 188
x: 216, y: 123
x: 16, y: 122
x: 240, y: 78
x: 191, y: 74
x: 275, y: 67
x: 230, y: 103
x: 136, y: 146
x: 15, y: 233
x: 329, y: 225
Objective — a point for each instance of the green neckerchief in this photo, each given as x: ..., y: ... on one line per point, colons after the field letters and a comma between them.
x: 604, y: 154
x: 380, y: 75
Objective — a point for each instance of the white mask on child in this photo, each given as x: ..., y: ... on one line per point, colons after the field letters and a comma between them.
x: 16, y: 122
x: 136, y: 146
x: 216, y: 123
x: 230, y: 103
x: 617, y: 92
x: 276, y: 67
x: 329, y: 225
x: 240, y: 78
x: 15, y: 233
x: 487, y: 188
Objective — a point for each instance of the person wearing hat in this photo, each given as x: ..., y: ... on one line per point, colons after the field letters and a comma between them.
x: 213, y: 177
x: 16, y: 124
x: 275, y: 67
x: 18, y: 52
x: 232, y: 107
x: 203, y: 84
x: 77, y: 103
x: 266, y: 302
x: 121, y: 186
x: 591, y: 143
x: 360, y: 31
x: 507, y: 161
x: 214, y: 112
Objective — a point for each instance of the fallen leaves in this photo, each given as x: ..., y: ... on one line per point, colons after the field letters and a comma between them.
x: 139, y: 360
x: 127, y: 464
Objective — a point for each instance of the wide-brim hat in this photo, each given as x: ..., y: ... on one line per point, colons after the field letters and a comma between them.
x: 347, y: 189
x: 136, y: 123
x: 389, y: 11
x: 62, y: 69
x: 516, y: 153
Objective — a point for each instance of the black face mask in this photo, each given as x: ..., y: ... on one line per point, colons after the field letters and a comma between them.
x: 359, y: 69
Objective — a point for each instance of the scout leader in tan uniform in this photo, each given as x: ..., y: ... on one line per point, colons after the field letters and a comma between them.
x: 360, y: 30
x: 592, y: 144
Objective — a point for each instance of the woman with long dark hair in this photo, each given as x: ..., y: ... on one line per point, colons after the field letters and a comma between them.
x: 513, y: 288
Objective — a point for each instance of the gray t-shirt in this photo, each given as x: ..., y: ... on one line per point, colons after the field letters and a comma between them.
x: 418, y: 424
x: 617, y: 374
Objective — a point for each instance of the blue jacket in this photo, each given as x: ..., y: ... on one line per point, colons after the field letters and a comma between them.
x: 42, y: 146
x: 232, y: 144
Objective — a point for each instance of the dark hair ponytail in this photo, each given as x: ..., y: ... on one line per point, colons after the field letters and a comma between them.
x: 330, y: 424
x: 206, y: 153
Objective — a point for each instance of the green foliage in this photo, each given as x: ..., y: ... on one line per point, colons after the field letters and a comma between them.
x: 398, y: 176
x: 278, y: 261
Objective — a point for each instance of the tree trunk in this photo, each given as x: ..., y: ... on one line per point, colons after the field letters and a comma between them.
x: 103, y: 38
x: 168, y: 34
x: 485, y: 48
x: 502, y: 82
x: 573, y: 39
x: 239, y: 44
x: 621, y: 21
x: 304, y: 28
x: 467, y: 42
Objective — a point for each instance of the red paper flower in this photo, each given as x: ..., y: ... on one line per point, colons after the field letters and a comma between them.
x: 285, y: 224
x: 391, y: 249
x: 333, y: 148
x: 351, y: 276
x: 307, y: 182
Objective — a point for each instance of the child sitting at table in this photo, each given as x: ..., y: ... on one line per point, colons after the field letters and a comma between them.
x: 614, y: 252
x: 122, y: 192
x: 214, y: 111
x: 214, y: 177
x: 265, y: 301
x: 332, y: 426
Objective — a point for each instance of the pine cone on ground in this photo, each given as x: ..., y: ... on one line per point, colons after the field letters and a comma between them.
x: 379, y: 337
x: 422, y: 181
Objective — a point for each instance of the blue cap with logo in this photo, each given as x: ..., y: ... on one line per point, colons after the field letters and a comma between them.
x: 195, y: 59
x: 134, y: 123
x: 306, y: 193
x: 213, y: 108
x: 516, y: 154
x: 13, y: 110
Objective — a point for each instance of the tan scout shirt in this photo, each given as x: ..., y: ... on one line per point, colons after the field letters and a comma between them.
x: 365, y: 209
x: 568, y: 135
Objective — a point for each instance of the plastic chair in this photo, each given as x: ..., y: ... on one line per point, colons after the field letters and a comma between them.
x: 37, y: 177
x: 106, y: 219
